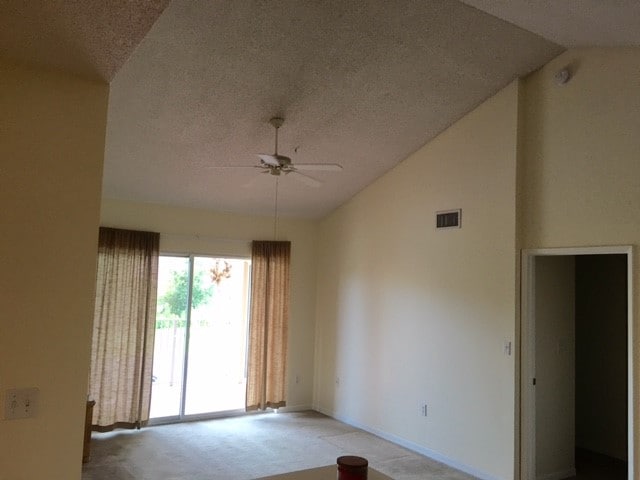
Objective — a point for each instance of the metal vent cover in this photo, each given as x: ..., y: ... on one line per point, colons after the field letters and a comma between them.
x: 448, y: 219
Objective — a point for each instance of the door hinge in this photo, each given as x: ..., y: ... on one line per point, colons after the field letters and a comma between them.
x: 534, y: 382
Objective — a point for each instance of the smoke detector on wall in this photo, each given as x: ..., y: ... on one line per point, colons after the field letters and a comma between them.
x: 563, y: 76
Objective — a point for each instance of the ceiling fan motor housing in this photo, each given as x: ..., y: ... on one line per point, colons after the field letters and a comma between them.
x: 276, y: 122
x: 283, y: 161
x: 277, y: 164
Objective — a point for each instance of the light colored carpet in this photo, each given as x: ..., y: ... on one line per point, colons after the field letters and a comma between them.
x: 363, y: 444
x: 247, y: 447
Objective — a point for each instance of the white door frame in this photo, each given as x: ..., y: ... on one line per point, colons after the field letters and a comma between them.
x: 527, y: 351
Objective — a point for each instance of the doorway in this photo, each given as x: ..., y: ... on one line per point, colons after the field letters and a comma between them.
x: 199, y: 361
x: 576, y: 367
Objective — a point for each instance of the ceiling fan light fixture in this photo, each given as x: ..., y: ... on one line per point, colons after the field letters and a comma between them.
x: 276, y: 164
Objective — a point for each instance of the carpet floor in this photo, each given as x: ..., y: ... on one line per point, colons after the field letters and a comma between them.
x: 248, y: 447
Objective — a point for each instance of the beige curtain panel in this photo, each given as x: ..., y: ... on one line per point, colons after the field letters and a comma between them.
x: 123, y: 330
x: 268, y: 328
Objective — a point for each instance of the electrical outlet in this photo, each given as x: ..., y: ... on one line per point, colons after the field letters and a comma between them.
x: 20, y: 403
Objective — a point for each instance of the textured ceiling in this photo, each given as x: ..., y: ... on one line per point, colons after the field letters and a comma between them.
x: 360, y: 83
x: 92, y: 38
x: 583, y: 23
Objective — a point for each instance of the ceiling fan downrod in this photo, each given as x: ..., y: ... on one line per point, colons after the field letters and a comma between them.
x: 276, y: 122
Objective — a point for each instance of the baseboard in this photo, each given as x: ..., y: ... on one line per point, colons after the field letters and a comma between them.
x: 427, y: 452
x: 294, y: 408
x: 571, y: 472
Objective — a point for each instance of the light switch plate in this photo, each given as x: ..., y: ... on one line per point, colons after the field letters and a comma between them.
x: 21, y: 403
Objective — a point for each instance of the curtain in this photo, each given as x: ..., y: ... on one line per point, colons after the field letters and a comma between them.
x: 123, y: 329
x: 267, y: 356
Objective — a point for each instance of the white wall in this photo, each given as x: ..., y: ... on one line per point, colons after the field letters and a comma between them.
x: 555, y: 366
x: 579, y: 179
x: 52, y: 129
x: 185, y: 230
x: 407, y: 314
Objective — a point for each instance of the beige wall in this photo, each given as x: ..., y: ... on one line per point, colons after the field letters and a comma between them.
x: 408, y: 314
x: 52, y: 131
x: 580, y: 160
x: 580, y: 151
x: 187, y: 231
x: 555, y: 366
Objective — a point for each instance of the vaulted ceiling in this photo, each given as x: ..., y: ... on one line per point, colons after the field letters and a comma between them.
x: 359, y: 83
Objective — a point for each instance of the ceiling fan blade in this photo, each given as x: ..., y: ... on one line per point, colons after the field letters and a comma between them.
x: 319, y: 167
x: 269, y: 159
x: 312, y: 182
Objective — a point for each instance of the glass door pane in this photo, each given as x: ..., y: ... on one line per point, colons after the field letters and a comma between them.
x: 218, y: 335
x: 170, y: 334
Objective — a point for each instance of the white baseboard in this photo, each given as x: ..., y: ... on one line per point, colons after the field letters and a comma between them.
x: 427, y: 452
x: 295, y: 408
x: 571, y: 472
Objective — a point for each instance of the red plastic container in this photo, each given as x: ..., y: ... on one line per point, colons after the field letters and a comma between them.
x: 352, y: 468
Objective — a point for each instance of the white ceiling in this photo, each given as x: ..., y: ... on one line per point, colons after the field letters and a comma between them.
x: 359, y: 83
x: 572, y: 23
x: 363, y: 83
x: 92, y: 38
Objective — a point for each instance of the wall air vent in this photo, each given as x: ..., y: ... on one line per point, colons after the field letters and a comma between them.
x: 448, y: 219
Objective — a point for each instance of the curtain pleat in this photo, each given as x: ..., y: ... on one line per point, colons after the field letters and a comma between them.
x: 123, y: 330
x: 268, y: 327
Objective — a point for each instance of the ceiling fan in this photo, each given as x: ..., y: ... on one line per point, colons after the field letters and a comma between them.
x: 276, y: 164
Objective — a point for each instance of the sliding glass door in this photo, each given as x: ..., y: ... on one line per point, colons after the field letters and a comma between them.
x: 201, y: 336
x: 170, y: 336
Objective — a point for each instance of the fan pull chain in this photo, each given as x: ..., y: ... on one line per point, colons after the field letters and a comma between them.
x: 275, y: 216
x: 276, y: 141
